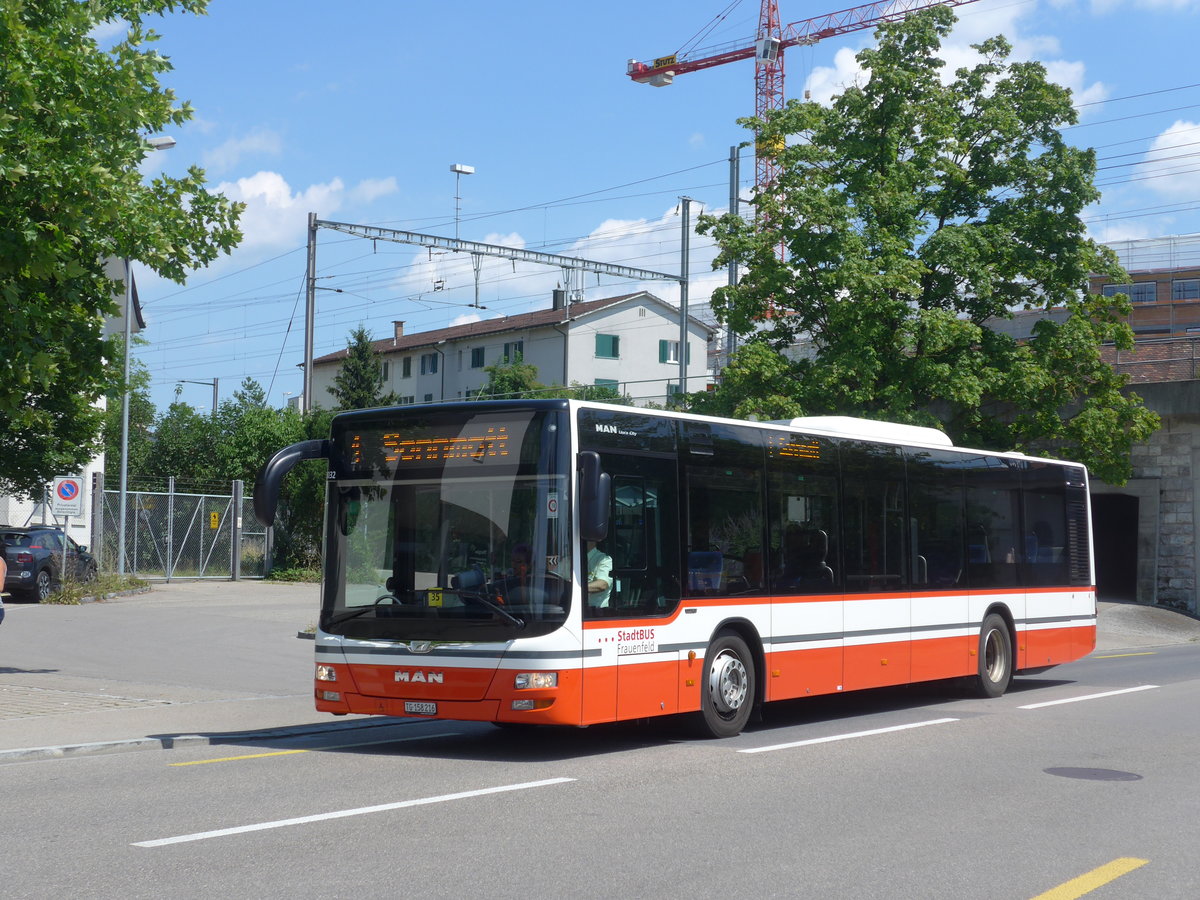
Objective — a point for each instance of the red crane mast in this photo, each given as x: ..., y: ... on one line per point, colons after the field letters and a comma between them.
x: 767, y: 51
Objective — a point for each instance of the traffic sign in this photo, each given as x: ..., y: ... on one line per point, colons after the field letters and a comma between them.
x: 66, y: 497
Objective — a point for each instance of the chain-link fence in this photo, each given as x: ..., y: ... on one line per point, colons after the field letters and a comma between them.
x: 176, y: 535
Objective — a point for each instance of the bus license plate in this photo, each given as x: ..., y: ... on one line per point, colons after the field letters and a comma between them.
x: 418, y: 708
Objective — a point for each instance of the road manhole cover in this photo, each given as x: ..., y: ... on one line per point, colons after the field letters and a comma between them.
x: 1094, y: 774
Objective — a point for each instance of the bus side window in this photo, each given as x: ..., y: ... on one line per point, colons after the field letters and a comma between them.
x: 802, y: 503
x: 875, y: 526
x: 994, y: 545
x: 724, y: 520
x: 935, y: 509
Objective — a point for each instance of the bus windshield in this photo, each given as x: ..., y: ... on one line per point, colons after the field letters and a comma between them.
x: 446, y: 526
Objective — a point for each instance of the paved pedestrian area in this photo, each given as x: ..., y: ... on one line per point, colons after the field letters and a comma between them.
x: 20, y: 702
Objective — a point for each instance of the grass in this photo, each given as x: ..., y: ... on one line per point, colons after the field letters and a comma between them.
x: 310, y: 575
x: 72, y: 593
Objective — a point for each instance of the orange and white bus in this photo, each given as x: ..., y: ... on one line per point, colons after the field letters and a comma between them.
x: 569, y: 563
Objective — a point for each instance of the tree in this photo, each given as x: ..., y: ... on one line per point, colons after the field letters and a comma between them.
x: 358, y: 381
x: 913, y: 211
x: 73, y: 122
x: 141, y: 415
x: 511, y: 379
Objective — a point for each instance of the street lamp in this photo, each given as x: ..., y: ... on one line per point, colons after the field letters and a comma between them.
x: 157, y: 143
x: 214, y: 383
x: 459, y: 171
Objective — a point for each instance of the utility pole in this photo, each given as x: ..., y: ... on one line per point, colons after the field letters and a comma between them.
x: 734, y: 209
x: 686, y: 203
x: 310, y: 309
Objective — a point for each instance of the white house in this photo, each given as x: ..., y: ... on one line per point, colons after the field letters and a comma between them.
x: 629, y: 342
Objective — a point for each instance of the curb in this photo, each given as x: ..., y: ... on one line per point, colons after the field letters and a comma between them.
x: 173, y: 741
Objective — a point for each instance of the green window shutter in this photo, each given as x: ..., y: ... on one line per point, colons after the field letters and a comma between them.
x: 662, y: 351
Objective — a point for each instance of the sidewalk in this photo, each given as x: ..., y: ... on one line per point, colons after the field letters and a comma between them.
x: 221, y: 662
x: 188, y: 662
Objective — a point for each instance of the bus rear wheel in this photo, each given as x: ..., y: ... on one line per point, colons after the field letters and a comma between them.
x: 995, y: 657
x: 727, y: 692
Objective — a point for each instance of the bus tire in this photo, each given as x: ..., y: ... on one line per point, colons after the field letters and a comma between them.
x: 995, y: 657
x: 727, y: 692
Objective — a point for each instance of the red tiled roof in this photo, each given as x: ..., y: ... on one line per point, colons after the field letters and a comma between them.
x: 535, y: 319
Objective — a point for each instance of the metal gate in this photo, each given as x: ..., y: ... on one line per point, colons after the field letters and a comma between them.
x: 175, y: 535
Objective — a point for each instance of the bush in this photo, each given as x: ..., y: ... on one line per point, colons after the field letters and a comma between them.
x: 72, y: 593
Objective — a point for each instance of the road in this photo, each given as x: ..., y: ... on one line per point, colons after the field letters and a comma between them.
x: 923, y: 792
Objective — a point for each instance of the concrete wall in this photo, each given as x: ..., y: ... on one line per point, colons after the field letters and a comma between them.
x: 1166, y: 481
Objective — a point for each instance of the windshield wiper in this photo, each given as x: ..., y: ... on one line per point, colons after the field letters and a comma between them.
x: 492, y: 605
x: 352, y: 614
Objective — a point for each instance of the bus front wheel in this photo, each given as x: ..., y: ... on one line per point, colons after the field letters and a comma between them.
x: 727, y: 693
x: 995, y: 657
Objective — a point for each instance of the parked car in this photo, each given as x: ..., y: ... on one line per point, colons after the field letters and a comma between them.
x: 35, y: 560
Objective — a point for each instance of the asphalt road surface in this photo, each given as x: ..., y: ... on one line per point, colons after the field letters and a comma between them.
x: 1082, y: 779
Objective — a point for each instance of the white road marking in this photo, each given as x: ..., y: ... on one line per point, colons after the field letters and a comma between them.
x: 345, y: 813
x: 846, y: 737
x: 1132, y: 690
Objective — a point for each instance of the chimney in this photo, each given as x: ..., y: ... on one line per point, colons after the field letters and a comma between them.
x: 559, y: 299
x: 398, y: 331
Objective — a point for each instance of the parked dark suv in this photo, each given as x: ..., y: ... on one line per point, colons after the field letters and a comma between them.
x: 35, y: 560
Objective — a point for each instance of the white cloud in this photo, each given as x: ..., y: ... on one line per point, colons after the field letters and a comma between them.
x: 371, y: 189
x: 465, y: 319
x: 230, y: 153
x: 275, y: 215
x: 1172, y: 166
x: 696, y: 141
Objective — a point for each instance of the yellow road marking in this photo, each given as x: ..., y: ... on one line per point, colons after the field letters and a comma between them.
x: 1089, y: 881
x: 1120, y: 655
x: 205, y: 762
x: 422, y: 737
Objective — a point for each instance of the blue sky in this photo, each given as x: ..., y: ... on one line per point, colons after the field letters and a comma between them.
x: 356, y: 112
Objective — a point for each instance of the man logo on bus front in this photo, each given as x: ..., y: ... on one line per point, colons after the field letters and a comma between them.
x: 420, y: 646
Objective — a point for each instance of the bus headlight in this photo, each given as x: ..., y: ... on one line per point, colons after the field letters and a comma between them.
x: 535, y: 680
x: 326, y: 673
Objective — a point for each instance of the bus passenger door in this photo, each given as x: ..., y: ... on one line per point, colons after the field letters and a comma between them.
x: 642, y: 542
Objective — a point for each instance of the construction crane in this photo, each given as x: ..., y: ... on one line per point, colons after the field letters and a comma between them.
x: 767, y: 51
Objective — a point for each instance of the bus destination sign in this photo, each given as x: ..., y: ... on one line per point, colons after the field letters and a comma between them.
x: 393, y: 447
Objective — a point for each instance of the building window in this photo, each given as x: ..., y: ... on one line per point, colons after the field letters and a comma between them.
x: 668, y: 352
x: 406, y: 368
x: 513, y: 349
x: 429, y: 398
x: 607, y: 383
x: 673, y: 389
x: 476, y: 357
x: 408, y: 401
x: 429, y: 363
x: 1138, y: 292
x: 385, y: 369
x: 1186, y: 289
x: 608, y: 346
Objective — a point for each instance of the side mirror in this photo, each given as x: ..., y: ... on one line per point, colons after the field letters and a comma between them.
x: 595, y: 497
x: 266, y: 486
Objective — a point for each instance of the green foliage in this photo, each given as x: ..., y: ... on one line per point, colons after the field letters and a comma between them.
x: 296, y: 576
x: 141, y: 415
x: 913, y: 213
x: 758, y: 384
x: 102, y: 587
x: 73, y: 117
x: 358, y: 381
x: 511, y: 379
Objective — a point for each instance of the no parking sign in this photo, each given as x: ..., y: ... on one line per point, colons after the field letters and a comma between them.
x: 66, y: 497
